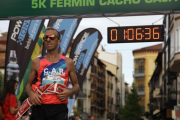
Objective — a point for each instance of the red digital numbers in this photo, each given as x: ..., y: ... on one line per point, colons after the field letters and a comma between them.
x: 114, y: 33
x: 148, y: 33
x: 155, y: 34
x: 136, y: 34
x: 129, y: 34
x: 139, y: 34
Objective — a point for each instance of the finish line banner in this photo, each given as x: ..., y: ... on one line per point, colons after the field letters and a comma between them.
x: 66, y: 29
x: 26, y: 8
x: 82, y: 53
x: 22, y: 38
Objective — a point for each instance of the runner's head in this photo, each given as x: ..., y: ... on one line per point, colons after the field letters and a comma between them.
x: 57, y: 33
x: 51, y: 39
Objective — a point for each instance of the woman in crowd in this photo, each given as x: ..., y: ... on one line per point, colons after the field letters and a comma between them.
x: 8, y: 100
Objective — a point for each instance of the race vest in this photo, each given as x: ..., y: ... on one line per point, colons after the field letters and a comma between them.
x: 51, y: 72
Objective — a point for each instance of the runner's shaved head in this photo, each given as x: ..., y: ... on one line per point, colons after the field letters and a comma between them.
x: 51, y: 28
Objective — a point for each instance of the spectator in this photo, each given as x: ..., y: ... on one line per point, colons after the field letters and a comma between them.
x: 8, y: 100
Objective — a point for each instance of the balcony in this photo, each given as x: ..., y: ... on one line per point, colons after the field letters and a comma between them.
x: 118, y: 91
x: 140, y: 93
x: 118, y: 103
x: 101, y: 76
x: 93, y: 86
x: 101, y: 90
x: 93, y: 104
x: 140, y: 90
x: 139, y: 72
x: 100, y: 104
x: 175, y: 61
x: 156, y: 111
x: 156, y: 93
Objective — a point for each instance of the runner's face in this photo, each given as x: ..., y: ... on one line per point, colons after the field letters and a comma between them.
x: 51, y: 43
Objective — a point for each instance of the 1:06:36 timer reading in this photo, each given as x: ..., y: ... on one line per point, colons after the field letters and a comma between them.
x: 151, y: 33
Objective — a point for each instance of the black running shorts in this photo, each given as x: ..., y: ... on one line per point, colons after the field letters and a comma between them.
x: 50, y: 112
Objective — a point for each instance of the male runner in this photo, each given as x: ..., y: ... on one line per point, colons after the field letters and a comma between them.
x: 49, y: 68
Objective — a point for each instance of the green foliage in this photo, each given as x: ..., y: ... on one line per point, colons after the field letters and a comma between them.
x: 77, y: 111
x: 147, y: 114
x: 132, y: 110
x: 1, y: 82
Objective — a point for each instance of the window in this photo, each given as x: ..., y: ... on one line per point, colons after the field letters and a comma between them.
x: 139, y: 65
x: 140, y: 84
x: 141, y: 69
x: 140, y: 88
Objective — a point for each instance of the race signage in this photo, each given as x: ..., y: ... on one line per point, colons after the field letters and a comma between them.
x: 12, y: 8
x: 22, y: 38
x: 82, y: 52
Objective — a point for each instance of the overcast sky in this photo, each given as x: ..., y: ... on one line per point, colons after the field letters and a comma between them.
x: 124, y: 48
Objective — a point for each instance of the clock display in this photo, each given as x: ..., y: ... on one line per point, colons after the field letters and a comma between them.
x: 129, y: 34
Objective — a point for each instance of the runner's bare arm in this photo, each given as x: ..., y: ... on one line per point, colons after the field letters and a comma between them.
x: 35, y: 98
x: 73, y: 77
x: 72, y: 74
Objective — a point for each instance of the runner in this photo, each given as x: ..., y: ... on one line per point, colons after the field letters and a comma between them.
x: 45, y: 70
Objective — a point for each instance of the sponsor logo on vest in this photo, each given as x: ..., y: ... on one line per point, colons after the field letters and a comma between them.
x: 54, y: 71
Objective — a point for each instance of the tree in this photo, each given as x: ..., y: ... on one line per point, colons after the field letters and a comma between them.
x: 132, y: 110
x: 77, y: 111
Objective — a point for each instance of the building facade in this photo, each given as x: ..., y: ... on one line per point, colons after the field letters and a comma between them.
x: 144, y: 66
x: 154, y: 89
x: 174, y: 60
x: 91, y: 98
x: 169, y: 81
x: 113, y: 62
x: 98, y: 88
x: 111, y: 82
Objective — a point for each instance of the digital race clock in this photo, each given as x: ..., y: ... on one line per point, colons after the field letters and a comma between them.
x: 130, y: 34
